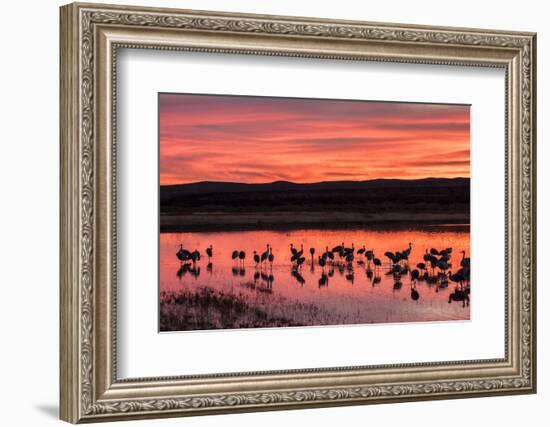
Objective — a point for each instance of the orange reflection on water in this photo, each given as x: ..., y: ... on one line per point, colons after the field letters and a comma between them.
x: 346, y: 296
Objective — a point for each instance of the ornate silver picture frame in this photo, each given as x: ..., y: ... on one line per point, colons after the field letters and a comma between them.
x: 91, y: 34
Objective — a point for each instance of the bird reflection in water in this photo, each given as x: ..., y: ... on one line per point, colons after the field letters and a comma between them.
x: 461, y: 294
x: 190, y: 268
x: 350, y: 276
x: 263, y: 282
x: 299, y: 278
x: 238, y: 270
x: 397, y: 283
x: 415, y: 296
x: 323, y: 281
x: 268, y: 279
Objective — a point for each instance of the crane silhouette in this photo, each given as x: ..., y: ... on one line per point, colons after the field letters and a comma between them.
x: 242, y: 256
x: 271, y: 257
x: 265, y: 254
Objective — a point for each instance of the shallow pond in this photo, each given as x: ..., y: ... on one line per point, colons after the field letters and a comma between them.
x: 221, y: 292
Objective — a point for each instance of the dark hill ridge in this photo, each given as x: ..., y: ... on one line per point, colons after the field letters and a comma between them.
x: 209, y: 206
x: 210, y: 187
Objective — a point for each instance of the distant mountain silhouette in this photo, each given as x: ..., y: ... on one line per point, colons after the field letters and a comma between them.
x: 212, y: 187
x: 208, y: 206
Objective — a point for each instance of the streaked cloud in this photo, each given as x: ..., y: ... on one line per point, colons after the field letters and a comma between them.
x: 260, y: 139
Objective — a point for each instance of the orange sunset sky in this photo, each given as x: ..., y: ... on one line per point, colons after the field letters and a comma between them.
x: 263, y: 139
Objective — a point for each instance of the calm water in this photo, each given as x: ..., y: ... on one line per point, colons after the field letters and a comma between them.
x: 227, y: 294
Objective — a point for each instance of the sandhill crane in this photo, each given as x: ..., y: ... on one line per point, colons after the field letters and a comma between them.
x: 465, y: 262
x: 195, y: 256
x: 415, y: 274
x: 444, y: 281
x: 407, y: 251
x: 457, y: 278
x: 427, y: 256
x: 446, y: 252
x: 209, y: 252
x: 256, y: 258
x: 396, y: 270
x: 271, y: 257
x: 370, y: 256
x: 338, y: 248
x: 394, y: 258
x: 443, y: 265
x: 328, y: 254
x: 445, y: 257
x: 235, y: 255
x: 349, y: 250
x: 183, y: 254
x: 377, y: 263
x: 242, y: 256
x: 312, y: 252
x: 265, y: 254
x: 461, y: 276
x: 297, y: 255
x: 293, y: 250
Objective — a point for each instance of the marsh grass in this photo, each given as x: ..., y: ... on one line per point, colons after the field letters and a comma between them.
x: 207, y: 308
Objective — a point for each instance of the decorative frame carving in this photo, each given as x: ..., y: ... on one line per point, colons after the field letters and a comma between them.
x: 90, y: 37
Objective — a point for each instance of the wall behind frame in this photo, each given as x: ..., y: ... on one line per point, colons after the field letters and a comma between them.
x: 29, y: 171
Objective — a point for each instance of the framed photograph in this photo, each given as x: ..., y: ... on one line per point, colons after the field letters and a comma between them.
x: 266, y: 212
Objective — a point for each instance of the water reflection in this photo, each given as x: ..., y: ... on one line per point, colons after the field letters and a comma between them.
x: 299, y: 278
x: 190, y: 268
x: 461, y: 295
x: 239, y: 290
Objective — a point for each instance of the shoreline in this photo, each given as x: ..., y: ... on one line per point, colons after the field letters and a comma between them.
x: 207, y: 222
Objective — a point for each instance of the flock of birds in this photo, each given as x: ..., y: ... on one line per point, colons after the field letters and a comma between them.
x: 436, y: 268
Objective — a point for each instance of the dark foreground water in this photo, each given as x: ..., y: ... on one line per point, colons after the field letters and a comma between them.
x: 222, y: 293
